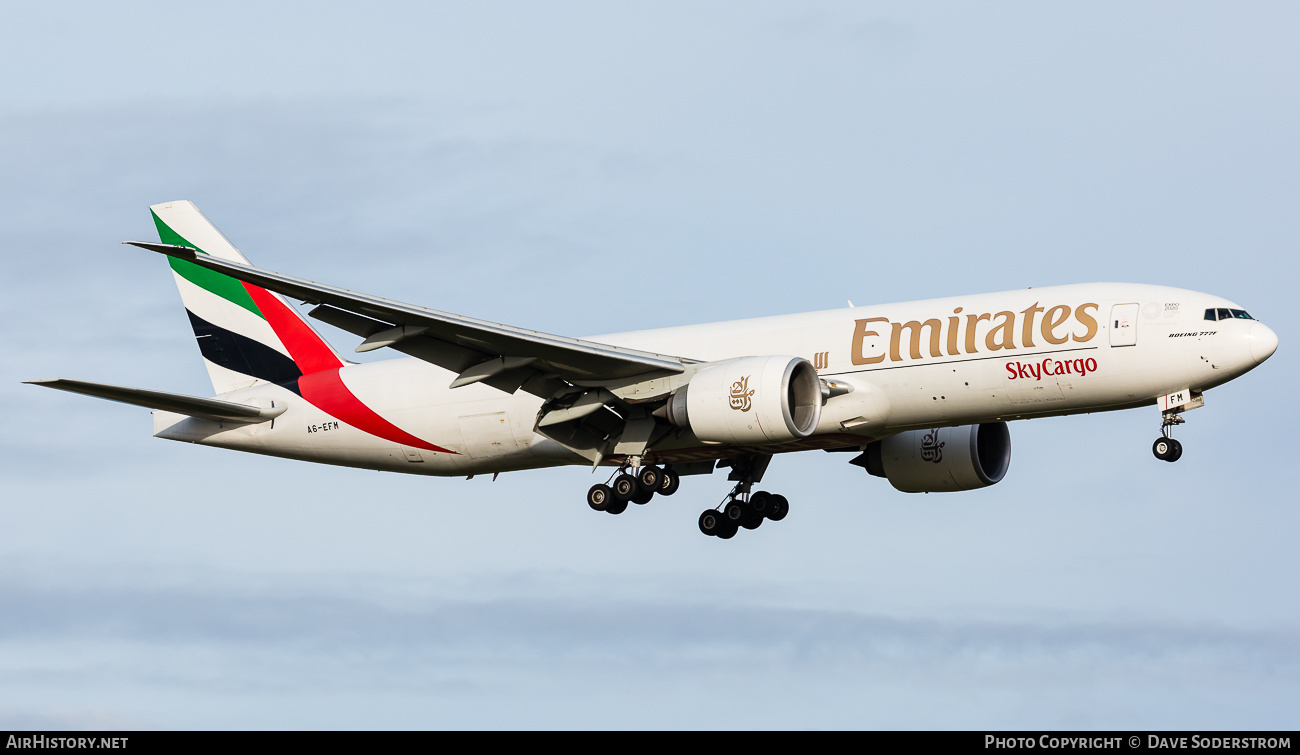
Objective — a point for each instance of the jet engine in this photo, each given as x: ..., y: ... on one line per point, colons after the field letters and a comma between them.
x: 750, y: 400
x: 943, y: 459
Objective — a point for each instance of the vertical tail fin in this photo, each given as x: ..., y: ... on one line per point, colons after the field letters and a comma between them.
x: 247, y: 334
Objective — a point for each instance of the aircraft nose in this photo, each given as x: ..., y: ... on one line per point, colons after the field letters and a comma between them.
x: 1263, y: 342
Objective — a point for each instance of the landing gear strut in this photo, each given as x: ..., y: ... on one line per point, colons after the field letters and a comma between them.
x: 1166, y: 448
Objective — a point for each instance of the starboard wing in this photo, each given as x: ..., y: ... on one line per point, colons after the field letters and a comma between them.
x: 503, y: 356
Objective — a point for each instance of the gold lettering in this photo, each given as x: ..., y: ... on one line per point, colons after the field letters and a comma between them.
x: 1086, y: 320
x: 860, y: 334
x: 1008, y: 328
x: 1027, y: 331
x: 915, y: 344
x: 953, y: 324
x: 1054, y: 318
x: 971, y: 322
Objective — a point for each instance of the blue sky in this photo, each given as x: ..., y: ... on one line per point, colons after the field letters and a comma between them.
x: 584, y: 168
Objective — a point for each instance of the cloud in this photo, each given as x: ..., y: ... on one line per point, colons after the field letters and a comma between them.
x: 210, y: 642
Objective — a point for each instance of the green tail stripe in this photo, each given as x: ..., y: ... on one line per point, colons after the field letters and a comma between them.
x: 224, y: 286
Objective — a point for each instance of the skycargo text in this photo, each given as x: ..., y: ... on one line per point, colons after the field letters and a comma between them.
x: 1036, y: 370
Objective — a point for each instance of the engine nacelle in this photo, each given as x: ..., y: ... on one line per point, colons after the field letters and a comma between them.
x: 750, y: 400
x: 941, y: 460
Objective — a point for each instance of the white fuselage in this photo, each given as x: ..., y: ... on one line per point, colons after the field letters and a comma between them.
x: 939, y: 362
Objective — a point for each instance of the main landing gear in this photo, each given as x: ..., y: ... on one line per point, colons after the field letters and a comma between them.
x: 1166, y: 448
x: 740, y: 509
x: 638, y: 487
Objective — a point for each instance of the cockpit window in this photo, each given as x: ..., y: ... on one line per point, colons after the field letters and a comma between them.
x: 1223, y: 313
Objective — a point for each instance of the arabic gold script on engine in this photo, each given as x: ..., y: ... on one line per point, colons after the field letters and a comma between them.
x: 741, y: 395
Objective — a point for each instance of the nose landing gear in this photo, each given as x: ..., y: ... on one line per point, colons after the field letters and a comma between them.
x: 1166, y: 448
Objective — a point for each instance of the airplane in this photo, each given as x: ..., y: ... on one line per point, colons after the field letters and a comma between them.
x: 920, y: 392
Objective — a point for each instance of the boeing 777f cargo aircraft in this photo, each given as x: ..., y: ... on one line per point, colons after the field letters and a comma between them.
x: 920, y: 391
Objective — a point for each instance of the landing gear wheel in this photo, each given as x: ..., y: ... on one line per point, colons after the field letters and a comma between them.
x: 755, y: 509
x: 668, y: 482
x: 711, y: 522
x: 624, y: 487
x: 1167, y: 449
x: 728, y: 530
x: 616, y: 507
x: 649, y: 477
x: 599, y: 497
x: 734, y: 512
x: 778, y: 508
x: 643, y: 495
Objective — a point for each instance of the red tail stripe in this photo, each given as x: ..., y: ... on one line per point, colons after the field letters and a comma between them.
x: 321, y: 383
x: 327, y: 391
x: 307, y: 349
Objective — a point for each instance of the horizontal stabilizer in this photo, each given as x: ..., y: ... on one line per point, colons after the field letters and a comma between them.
x: 205, y: 408
x: 171, y: 250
